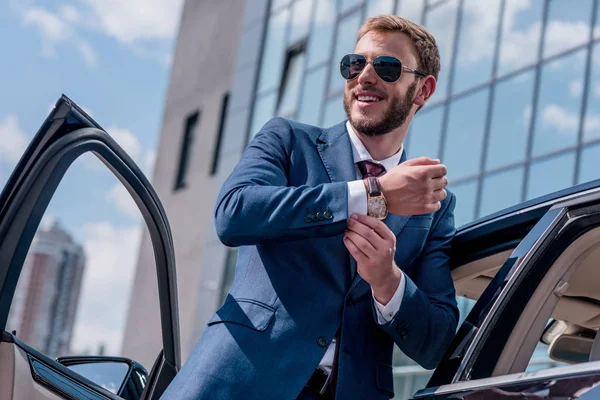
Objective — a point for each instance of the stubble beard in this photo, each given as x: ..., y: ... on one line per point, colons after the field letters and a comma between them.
x: 394, y: 116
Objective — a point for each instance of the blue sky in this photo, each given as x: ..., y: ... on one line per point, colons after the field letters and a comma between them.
x: 113, y: 59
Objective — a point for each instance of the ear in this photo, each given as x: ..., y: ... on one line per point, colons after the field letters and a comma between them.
x: 425, y: 90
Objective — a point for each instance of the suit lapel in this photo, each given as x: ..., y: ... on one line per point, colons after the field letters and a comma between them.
x: 336, y: 153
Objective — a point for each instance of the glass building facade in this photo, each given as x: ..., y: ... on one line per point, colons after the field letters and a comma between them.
x: 515, y: 114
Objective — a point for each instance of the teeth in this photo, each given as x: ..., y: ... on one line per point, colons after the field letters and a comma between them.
x: 367, y: 98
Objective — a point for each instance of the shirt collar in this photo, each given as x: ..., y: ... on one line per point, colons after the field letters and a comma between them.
x: 360, y: 152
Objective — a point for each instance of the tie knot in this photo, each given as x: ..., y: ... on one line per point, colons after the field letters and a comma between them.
x: 370, y: 169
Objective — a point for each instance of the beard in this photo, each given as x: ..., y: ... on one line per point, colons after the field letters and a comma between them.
x: 393, y: 117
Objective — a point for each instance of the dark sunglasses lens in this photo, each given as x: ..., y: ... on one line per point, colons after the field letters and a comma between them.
x: 388, y: 68
x: 351, y: 65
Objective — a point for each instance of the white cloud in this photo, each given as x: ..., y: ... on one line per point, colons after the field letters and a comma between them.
x: 564, y: 121
x: 576, y: 88
x: 149, y: 163
x: 70, y: 13
x: 12, y: 140
x: 122, y: 200
x: 128, y: 141
x: 111, y: 254
x: 87, y: 53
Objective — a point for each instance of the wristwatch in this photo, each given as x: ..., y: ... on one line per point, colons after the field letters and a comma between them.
x: 376, y: 204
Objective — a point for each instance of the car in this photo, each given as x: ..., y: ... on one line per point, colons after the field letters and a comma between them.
x: 532, y: 272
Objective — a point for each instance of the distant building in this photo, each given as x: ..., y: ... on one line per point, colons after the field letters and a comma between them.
x: 47, y: 294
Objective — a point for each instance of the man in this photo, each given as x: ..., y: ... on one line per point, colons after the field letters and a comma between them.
x: 326, y: 280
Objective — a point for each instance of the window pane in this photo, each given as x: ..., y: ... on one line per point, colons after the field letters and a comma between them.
x: 557, y: 120
x: 568, y: 26
x: 510, y: 121
x: 312, y: 96
x: 425, y: 133
x: 550, y: 175
x: 291, y: 86
x: 411, y: 9
x: 348, y: 4
x: 441, y: 22
x: 346, y: 40
x: 466, y: 194
x: 501, y: 190
x: 378, y: 7
x: 521, y: 31
x: 591, y: 127
x: 301, y: 13
x: 477, y: 42
x: 319, y: 47
x: 274, y: 53
x: 588, y: 164
x: 334, y: 112
x: 264, y: 108
x: 276, y: 4
x: 464, y: 139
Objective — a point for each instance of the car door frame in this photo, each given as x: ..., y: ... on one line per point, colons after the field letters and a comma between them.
x: 66, y: 134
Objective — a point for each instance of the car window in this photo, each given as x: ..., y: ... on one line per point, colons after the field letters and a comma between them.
x: 73, y: 296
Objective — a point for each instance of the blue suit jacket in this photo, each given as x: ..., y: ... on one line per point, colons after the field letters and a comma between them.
x: 285, y: 205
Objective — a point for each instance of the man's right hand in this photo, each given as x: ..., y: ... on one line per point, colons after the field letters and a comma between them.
x: 415, y: 187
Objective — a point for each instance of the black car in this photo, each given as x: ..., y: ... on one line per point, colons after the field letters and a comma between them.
x: 533, y: 270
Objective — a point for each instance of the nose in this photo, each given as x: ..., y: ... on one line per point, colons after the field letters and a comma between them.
x: 368, y: 76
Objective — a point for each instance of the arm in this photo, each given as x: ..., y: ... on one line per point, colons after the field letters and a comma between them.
x: 257, y: 205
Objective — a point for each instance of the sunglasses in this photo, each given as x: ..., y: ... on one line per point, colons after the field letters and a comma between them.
x: 387, y: 68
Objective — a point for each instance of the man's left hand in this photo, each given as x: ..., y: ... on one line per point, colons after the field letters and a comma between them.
x: 373, y: 245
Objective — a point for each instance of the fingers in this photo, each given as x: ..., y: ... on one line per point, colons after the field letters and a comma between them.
x: 365, y: 245
x: 435, y: 171
x: 439, y: 183
x: 422, y: 161
x: 358, y: 255
x: 370, y: 227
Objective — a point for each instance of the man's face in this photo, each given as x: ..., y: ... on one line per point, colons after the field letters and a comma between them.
x: 394, y: 99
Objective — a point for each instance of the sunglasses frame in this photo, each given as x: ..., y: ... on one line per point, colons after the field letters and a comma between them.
x: 367, y: 62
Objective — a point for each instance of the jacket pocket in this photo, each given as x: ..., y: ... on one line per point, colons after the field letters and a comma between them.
x: 385, y: 379
x: 246, y: 312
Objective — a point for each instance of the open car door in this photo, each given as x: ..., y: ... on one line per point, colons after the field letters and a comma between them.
x: 67, y: 133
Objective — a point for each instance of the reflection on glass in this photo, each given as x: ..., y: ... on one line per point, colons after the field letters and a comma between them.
x: 291, y: 86
x: 108, y: 375
x: 346, y: 40
x: 591, y: 126
x: 521, y: 31
x: 510, y: 121
x: 501, y: 190
x: 411, y: 9
x: 549, y: 175
x: 312, y: 96
x: 277, y: 4
x: 568, y: 26
x: 466, y: 194
x: 588, y: 164
x: 378, y: 7
x: 441, y: 22
x: 425, y: 133
x: 274, y: 52
x: 301, y: 13
x: 476, y: 43
x: 319, y: 46
x: 557, y: 119
x: 334, y: 112
x: 264, y: 108
x: 464, y: 139
x: 348, y: 4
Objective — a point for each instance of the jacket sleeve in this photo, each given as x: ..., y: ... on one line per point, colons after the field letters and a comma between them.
x: 256, y: 205
x: 426, y: 322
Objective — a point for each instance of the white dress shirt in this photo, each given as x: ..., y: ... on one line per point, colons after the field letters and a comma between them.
x: 357, y: 204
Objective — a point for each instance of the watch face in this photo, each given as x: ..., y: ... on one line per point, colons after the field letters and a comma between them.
x: 377, y: 207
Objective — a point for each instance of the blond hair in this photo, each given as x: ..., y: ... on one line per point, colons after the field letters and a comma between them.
x: 428, y: 55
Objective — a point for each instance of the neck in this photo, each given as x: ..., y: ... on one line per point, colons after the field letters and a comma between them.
x: 383, y: 146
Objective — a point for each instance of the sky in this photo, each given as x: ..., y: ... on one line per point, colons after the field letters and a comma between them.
x: 112, y: 58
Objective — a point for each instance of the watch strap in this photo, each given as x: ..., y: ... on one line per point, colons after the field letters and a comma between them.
x: 373, y: 185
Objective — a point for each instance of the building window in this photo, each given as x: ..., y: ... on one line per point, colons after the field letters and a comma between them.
x: 184, y: 154
x: 215, y: 162
x: 228, y: 273
x: 289, y: 89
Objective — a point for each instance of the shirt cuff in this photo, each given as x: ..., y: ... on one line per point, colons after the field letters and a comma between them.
x: 387, y: 312
x: 357, y: 198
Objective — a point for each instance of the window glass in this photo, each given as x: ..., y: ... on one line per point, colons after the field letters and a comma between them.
x: 301, y: 13
x: 476, y: 43
x: 549, y: 175
x: 264, y: 107
x: 501, y: 190
x: 568, y: 26
x: 274, y: 51
x: 441, y: 23
x: 559, y: 104
x: 411, y: 9
x: 510, y: 121
x: 319, y: 46
x: 424, y: 136
x: 311, y: 103
x: 588, y: 164
x: 378, y: 7
x: 591, y: 126
x: 334, y: 112
x: 466, y: 197
x: 277, y: 4
x: 290, y: 87
x: 345, y: 43
x: 187, y: 141
x: 464, y: 139
x: 348, y: 4
x: 521, y: 31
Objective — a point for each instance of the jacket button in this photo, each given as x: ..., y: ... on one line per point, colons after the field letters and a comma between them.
x: 320, y: 216
x: 349, y: 301
x: 328, y: 215
x: 322, y: 341
x: 308, y: 218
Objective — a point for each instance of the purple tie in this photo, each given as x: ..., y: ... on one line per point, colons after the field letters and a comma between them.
x: 370, y: 169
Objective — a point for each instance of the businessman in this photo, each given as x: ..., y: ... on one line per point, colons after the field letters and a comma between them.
x: 343, y: 243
